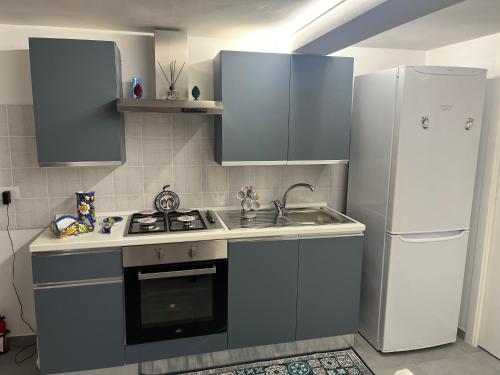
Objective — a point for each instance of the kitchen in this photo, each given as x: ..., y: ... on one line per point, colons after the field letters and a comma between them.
x: 186, y: 150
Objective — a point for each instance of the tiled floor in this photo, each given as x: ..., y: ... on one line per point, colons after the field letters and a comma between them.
x: 453, y: 359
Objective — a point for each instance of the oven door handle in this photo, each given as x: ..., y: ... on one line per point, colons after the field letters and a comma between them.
x: 171, y: 274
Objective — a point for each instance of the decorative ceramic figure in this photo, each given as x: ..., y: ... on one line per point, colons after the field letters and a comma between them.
x: 109, y: 222
x: 136, y: 87
x: 249, y: 201
x: 85, y: 206
x: 195, y: 92
x: 68, y: 225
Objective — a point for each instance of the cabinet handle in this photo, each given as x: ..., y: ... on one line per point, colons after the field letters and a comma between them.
x: 171, y: 274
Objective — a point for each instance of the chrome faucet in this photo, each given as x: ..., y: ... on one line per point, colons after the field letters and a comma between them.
x: 280, y: 205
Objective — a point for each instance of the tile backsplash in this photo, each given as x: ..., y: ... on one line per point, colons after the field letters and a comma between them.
x: 161, y: 149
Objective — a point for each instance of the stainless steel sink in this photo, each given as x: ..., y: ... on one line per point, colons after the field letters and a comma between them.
x: 293, y: 217
x: 315, y: 216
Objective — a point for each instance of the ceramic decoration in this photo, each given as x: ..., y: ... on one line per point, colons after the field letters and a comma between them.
x: 110, y: 222
x: 85, y: 207
x: 195, y: 92
x: 136, y: 88
x: 249, y: 201
x: 167, y: 200
x: 67, y: 225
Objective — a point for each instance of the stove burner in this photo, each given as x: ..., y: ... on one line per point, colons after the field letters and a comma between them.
x: 146, y: 227
x: 191, y: 220
x: 159, y: 222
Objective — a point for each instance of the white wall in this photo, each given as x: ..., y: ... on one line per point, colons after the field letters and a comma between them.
x: 24, y: 280
x: 137, y: 51
x: 480, y: 53
x: 367, y: 60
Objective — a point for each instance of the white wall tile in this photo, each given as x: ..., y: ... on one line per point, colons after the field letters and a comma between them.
x: 133, y: 124
x: 157, y: 177
x: 63, y: 182
x: 187, y: 151
x: 133, y: 147
x: 241, y: 176
x: 32, y: 182
x: 62, y: 206
x: 215, y: 179
x: 21, y: 122
x: 156, y: 151
x: 98, y: 179
x: 32, y: 213
x: 23, y: 152
x: 156, y: 125
x: 268, y: 178
x: 4, y: 152
x: 128, y: 181
x: 219, y: 199
x: 12, y: 216
x: 5, y: 177
x: 129, y: 202
x: 4, y: 125
x: 187, y: 179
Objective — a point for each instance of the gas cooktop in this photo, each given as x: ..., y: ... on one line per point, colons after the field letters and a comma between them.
x: 172, y: 222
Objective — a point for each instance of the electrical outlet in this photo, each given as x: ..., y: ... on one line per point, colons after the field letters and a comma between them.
x: 6, y: 197
x: 14, y: 191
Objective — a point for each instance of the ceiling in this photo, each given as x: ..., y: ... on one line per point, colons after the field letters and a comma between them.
x: 215, y: 18
x: 464, y: 21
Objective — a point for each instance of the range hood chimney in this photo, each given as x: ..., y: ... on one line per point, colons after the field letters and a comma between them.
x: 171, y: 46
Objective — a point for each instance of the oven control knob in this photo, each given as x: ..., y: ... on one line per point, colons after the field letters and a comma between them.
x: 192, y: 252
x: 160, y: 253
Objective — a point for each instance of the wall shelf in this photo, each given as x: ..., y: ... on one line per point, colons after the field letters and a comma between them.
x: 205, y: 107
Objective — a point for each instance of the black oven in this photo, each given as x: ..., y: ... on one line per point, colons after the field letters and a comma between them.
x: 175, y: 290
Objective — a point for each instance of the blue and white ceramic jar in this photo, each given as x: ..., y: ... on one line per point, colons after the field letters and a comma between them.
x: 85, y: 205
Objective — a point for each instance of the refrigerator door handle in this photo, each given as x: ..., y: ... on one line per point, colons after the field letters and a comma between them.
x: 432, y: 237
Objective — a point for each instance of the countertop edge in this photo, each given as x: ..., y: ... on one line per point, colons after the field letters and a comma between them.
x: 46, y: 242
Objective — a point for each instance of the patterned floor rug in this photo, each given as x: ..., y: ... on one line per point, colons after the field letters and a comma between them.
x: 340, y: 362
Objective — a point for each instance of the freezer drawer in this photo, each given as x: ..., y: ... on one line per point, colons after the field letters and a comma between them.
x: 423, y: 290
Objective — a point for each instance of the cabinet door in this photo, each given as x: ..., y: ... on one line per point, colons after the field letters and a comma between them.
x: 254, y: 88
x: 320, y: 107
x: 262, y: 292
x: 80, y: 327
x: 328, y: 286
x: 75, y: 85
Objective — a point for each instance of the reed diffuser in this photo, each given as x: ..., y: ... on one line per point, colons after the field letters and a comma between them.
x: 174, y: 76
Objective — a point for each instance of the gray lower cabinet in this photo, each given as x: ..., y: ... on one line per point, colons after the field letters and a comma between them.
x: 75, y: 86
x: 80, y: 327
x: 320, y: 107
x: 329, y: 282
x: 262, y: 293
x: 254, y: 88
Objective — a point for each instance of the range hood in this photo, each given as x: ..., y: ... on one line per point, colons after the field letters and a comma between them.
x: 170, y: 46
x: 206, y: 107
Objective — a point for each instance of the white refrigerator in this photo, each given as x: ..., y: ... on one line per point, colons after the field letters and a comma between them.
x: 414, y: 147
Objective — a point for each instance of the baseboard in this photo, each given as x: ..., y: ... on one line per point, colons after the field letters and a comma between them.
x: 461, y: 333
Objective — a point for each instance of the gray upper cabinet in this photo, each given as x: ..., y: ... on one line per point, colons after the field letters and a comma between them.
x: 262, y: 293
x: 282, y: 108
x: 320, y: 107
x: 75, y: 86
x: 329, y: 285
x: 254, y: 89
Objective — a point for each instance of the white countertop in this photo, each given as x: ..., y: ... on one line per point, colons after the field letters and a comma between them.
x: 47, y: 242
